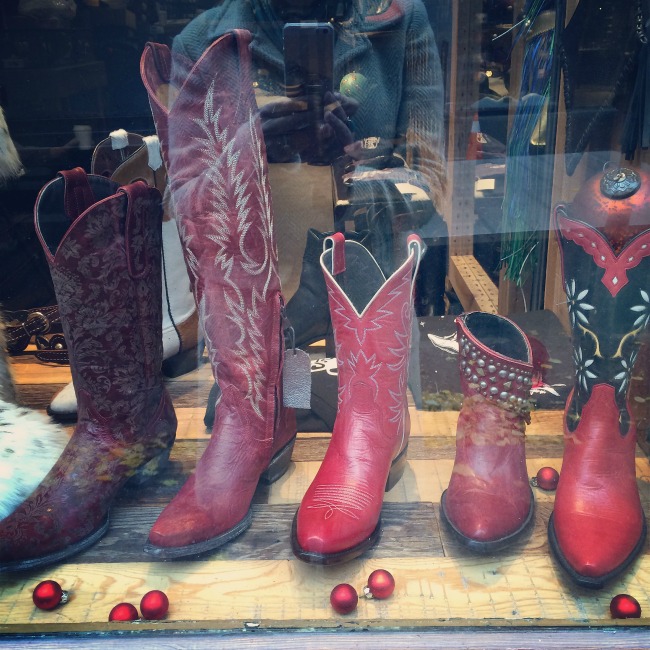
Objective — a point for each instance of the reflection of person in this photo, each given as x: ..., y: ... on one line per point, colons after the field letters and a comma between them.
x: 384, y: 53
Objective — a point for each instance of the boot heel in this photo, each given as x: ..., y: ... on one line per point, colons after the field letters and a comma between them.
x: 396, y: 470
x: 183, y: 362
x: 149, y: 470
x: 278, y: 465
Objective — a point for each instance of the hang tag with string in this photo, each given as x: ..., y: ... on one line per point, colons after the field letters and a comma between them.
x: 296, y: 375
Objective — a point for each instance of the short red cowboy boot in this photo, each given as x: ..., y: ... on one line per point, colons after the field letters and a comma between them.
x: 125, y: 158
x: 598, y: 525
x: 339, y: 517
x: 489, y: 503
x: 214, y: 150
x: 102, y: 243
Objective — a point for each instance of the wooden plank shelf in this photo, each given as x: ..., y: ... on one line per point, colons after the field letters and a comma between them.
x: 256, y: 581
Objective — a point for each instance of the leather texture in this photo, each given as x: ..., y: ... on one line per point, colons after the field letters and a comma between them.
x: 214, y: 152
x: 372, y: 318
x: 598, y: 525
x: 102, y: 243
x: 489, y: 502
x: 180, y: 326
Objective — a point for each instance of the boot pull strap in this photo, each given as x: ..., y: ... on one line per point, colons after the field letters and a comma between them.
x: 119, y: 139
x: 138, y: 205
x: 416, y: 247
x: 242, y: 40
x: 336, y: 242
x: 154, y: 157
x: 77, y: 195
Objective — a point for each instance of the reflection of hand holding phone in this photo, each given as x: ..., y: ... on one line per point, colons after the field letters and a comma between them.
x: 309, y: 64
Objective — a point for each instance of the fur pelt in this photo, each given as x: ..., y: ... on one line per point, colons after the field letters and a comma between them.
x: 10, y: 165
x: 30, y: 443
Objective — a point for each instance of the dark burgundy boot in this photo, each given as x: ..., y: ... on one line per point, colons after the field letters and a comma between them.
x: 103, y: 245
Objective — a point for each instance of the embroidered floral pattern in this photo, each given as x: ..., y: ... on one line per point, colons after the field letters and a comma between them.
x: 582, y: 368
x: 578, y: 308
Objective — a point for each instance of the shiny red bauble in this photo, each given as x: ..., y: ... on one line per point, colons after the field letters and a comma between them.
x: 625, y: 606
x: 547, y: 478
x: 344, y: 598
x: 154, y: 605
x: 48, y: 594
x: 123, y: 612
x: 381, y: 584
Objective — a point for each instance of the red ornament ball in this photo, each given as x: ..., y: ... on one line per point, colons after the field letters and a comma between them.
x: 381, y: 584
x: 547, y: 478
x: 344, y: 598
x: 625, y: 606
x: 48, y: 594
x: 123, y: 612
x: 154, y: 605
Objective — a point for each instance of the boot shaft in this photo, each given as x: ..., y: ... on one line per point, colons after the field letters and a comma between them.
x: 495, y: 361
x: 213, y: 147
x: 372, y: 318
x: 608, y: 296
x: 102, y: 243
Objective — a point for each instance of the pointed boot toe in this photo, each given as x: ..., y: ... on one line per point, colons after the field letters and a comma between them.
x: 600, y: 552
x: 331, y: 540
x: 471, y: 516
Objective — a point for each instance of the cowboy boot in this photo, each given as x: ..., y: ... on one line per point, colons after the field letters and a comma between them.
x: 102, y: 243
x: 339, y: 517
x: 489, y: 503
x: 598, y: 526
x: 125, y: 158
x: 214, y: 151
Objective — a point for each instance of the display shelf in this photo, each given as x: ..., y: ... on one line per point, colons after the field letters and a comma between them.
x: 255, y: 582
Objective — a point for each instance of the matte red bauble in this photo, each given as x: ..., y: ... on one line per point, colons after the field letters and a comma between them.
x: 625, y: 606
x: 344, y: 598
x: 381, y: 584
x: 123, y: 612
x: 48, y: 594
x: 547, y: 478
x: 154, y: 605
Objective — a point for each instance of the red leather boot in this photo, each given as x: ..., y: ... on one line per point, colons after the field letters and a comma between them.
x: 489, y: 503
x: 339, y: 517
x: 598, y: 525
x: 214, y: 151
x: 103, y: 244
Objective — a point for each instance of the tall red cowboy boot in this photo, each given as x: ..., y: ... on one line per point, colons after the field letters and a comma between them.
x: 102, y: 243
x: 598, y: 525
x: 339, y: 517
x: 214, y: 151
x: 489, y: 503
x: 125, y: 158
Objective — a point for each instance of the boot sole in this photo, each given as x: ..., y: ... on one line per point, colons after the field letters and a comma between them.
x: 53, y: 558
x: 144, y: 474
x: 276, y: 469
x: 587, y: 581
x: 492, y: 546
x: 328, y: 559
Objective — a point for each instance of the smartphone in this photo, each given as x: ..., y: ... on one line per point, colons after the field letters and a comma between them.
x: 309, y: 62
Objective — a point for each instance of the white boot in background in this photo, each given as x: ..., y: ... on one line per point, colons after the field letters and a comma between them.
x: 127, y: 157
